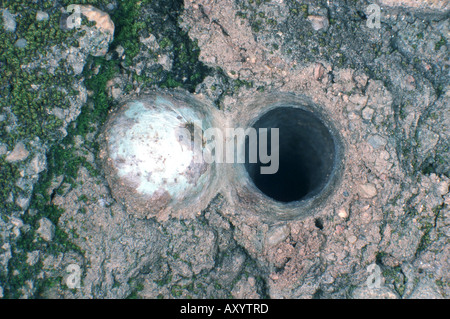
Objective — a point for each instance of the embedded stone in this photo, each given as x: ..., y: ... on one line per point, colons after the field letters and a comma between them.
x: 18, y: 154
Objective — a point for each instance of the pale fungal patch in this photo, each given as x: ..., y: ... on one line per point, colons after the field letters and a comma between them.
x: 154, y: 165
x: 150, y: 151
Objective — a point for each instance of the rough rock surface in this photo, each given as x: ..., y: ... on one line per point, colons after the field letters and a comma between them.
x: 97, y: 39
x: 383, y: 232
x: 51, y: 60
x: 427, y: 5
x: 28, y: 155
x: 46, y: 229
x: 9, y: 21
x: 18, y: 154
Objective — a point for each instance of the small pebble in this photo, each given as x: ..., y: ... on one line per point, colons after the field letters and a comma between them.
x: 443, y: 188
x: 367, y: 190
x: 352, y: 239
x: 319, y: 71
x: 9, y: 21
x: 19, y: 153
x: 41, y: 16
x: 339, y: 229
x: 342, y: 212
x: 367, y: 113
x: 318, y: 22
x: 376, y: 141
x: 21, y: 43
x: 3, y: 149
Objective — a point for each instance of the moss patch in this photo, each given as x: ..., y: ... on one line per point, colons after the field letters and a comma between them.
x: 30, y: 107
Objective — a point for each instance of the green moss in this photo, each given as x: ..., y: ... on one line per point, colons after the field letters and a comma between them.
x: 440, y: 44
x: 340, y: 61
x: 136, y: 288
x: 271, y: 22
x: 165, y: 42
x: 304, y: 9
x: 31, y: 108
x: 127, y: 28
x: 187, y: 71
x: 256, y: 25
x: 442, y: 285
x: 83, y: 198
x: 189, y: 287
x: 237, y: 84
x: 164, y: 281
x: 425, y: 240
x: 241, y: 15
x: 395, y: 276
x: 176, y: 291
x: 29, y: 241
x: 102, y: 103
x: 8, y: 173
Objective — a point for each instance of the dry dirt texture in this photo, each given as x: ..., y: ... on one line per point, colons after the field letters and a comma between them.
x: 382, y: 233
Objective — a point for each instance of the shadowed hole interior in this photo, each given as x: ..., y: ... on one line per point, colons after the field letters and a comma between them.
x: 306, y: 155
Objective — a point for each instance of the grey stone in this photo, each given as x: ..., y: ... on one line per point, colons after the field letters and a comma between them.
x: 434, y: 137
x: 9, y: 21
x: 97, y: 38
x: 37, y: 165
x: 21, y: 43
x: 111, y: 6
x: 318, y: 22
x: 426, y: 5
x: 367, y: 190
x: 23, y: 201
x: 277, y: 235
x: 5, y: 254
x: 374, y: 293
x: 33, y: 257
x: 3, y: 149
x: 319, y: 71
x: 376, y: 141
x: 18, y: 154
x: 426, y: 289
x: 245, y: 289
x: 46, y: 229
x: 367, y: 113
x: 41, y: 16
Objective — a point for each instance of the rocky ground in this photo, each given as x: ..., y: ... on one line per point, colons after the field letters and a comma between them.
x: 382, y: 233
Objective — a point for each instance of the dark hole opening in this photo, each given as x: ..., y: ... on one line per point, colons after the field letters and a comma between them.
x: 318, y: 223
x: 306, y: 155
